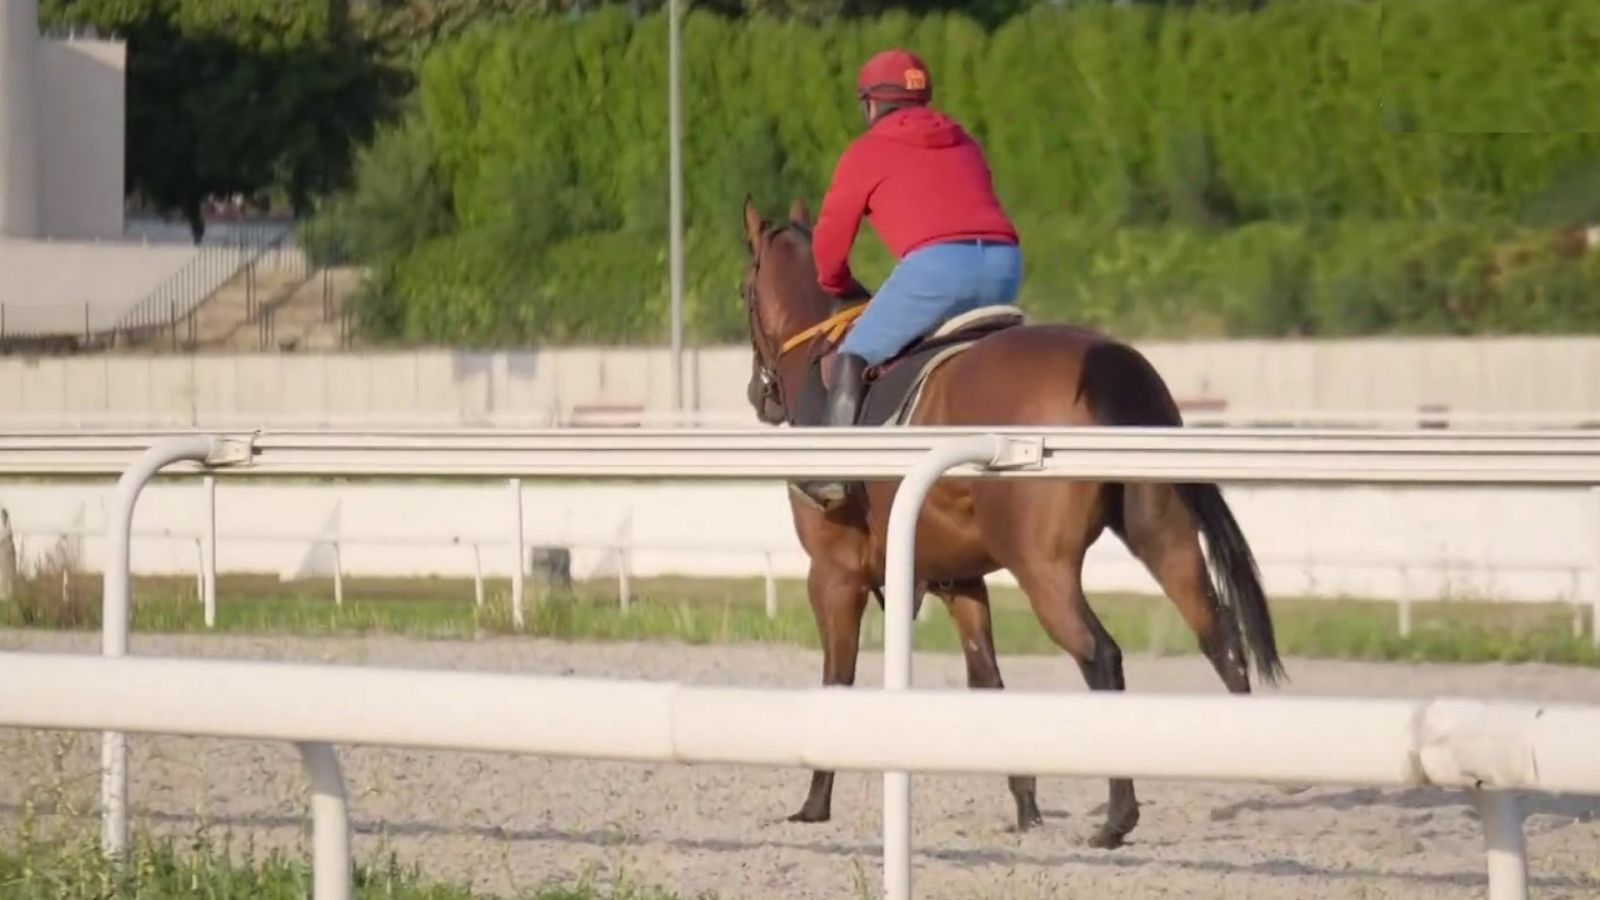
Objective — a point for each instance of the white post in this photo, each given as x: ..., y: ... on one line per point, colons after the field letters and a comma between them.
x: 897, y: 633
x: 1405, y: 601
x: 330, y: 823
x: 209, y: 554
x: 116, y: 604
x: 200, y: 570
x: 477, y: 575
x: 338, y: 575
x: 624, y: 592
x: 1506, y: 846
x: 675, y: 199
x: 516, y: 552
x: 1594, y: 589
x: 771, y: 587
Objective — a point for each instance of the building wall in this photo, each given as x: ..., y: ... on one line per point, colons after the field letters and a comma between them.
x: 63, y: 123
x: 19, y: 101
x: 82, y: 120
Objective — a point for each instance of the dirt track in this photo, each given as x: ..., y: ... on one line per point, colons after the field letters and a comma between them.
x: 511, y: 821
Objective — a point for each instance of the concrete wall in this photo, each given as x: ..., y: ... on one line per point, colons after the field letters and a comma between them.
x: 51, y: 288
x: 1508, y: 377
x: 1531, y: 545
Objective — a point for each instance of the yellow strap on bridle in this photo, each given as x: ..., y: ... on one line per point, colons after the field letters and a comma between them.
x: 834, y: 327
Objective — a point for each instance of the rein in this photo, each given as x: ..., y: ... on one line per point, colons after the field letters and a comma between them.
x: 768, y: 358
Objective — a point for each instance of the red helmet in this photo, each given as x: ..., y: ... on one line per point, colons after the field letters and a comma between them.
x: 895, y: 75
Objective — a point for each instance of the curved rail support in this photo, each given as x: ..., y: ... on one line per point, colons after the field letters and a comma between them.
x: 899, y: 610
x: 1502, y: 815
x: 116, y: 603
x: 330, y: 823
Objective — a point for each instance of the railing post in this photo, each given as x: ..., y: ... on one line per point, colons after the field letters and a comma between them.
x: 518, y: 543
x: 330, y: 823
x: 116, y: 604
x: 624, y: 589
x: 209, y: 556
x: 338, y: 575
x: 771, y: 587
x: 1594, y: 549
x: 898, y: 628
x: 477, y: 575
x: 1505, y: 844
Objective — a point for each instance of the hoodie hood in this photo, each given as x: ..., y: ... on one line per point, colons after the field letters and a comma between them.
x: 919, y: 126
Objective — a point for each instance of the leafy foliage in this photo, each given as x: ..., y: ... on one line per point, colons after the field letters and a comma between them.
x: 263, y: 98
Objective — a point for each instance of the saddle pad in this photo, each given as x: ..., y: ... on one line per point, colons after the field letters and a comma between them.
x: 893, y: 395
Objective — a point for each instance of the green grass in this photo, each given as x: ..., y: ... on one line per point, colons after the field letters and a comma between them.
x: 53, y: 868
x: 701, y: 611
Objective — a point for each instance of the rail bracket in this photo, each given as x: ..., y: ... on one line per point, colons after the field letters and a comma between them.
x: 1018, y: 453
x: 232, y: 450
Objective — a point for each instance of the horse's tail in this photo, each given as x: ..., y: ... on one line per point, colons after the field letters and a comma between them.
x: 1121, y: 387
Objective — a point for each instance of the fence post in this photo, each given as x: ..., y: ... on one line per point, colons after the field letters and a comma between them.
x: 209, y: 555
x: 116, y: 603
x: 772, y: 587
x: 898, y: 628
x: 477, y: 575
x: 517, y: 546
x: 330, y: 823
x: 338, y: 575
x: 1505, y: 844
x: 1594, y: 589
x: 624, y: 591
x: 1405, y: 601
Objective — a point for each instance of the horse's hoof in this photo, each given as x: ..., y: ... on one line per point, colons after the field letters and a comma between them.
x: 1106, y: 838
x: 810, y: 816
x: 1027, y: 823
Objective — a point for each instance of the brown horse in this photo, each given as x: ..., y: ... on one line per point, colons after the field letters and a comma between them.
x: 1045, y: 375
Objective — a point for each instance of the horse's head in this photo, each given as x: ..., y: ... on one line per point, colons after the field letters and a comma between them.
x: 782, y: 299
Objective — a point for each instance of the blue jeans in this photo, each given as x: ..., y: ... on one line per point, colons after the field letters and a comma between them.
x: 928, y: 288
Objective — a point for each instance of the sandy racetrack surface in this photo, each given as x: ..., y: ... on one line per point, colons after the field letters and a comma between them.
x: 514, y: 822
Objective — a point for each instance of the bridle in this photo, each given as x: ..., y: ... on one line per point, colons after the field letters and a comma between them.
x: 767, y: 358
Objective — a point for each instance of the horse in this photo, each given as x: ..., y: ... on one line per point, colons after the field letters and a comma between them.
x: 1039, y: 531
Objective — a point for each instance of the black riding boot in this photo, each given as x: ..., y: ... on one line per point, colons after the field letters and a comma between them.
x: 844, y: 403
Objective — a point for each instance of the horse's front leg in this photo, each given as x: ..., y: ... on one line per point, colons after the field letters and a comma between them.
x: 838, y: 600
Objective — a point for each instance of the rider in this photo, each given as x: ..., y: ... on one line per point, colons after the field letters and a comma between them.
x: 925, y: 186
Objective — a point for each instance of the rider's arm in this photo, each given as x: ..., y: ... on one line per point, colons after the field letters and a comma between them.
x: 837, y: 225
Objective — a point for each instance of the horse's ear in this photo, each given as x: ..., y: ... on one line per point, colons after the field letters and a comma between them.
x: 799, y: 213
x: 752, y: 222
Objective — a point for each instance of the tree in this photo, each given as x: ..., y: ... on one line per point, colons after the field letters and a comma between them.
x: 261, y: 98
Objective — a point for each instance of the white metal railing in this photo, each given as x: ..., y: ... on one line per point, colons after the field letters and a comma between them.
x: 763, y: 557
x: 1491, y: 749
x: 639, y: 416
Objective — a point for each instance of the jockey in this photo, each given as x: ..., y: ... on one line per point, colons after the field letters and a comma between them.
x: 925, y: 186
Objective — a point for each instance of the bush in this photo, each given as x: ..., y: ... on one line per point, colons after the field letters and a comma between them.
x: 1310, y: 168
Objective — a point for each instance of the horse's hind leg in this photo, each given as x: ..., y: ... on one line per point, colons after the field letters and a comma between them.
x: 1159, y: 530
x: 1054, y: 586
x: 968, y: 602
x: 838, y: 600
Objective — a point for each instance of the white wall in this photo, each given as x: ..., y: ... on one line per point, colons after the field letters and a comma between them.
x: 1511, y: 377
x: 1513, y: 544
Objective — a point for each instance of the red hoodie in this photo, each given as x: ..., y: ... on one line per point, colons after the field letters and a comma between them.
x: 920, y: 179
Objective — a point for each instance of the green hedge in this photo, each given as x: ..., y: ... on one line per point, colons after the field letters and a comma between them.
x: 1314, y: 167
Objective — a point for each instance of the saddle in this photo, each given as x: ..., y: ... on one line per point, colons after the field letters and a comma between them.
x: 892, y: 390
